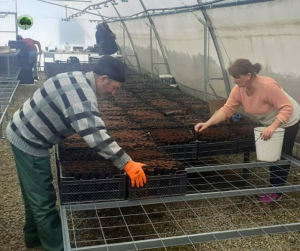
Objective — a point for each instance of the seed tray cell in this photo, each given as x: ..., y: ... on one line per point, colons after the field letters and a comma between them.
x: 162, y: 166
x: 78, y: 154
x: 163, y: 123
x: 86, y: 166
x: 113, y: 117
x: 169, y: 136
x: 117, y: 124
x: 137, y: 144
x: 130, y: 135
x: 145, y: 114
x: 147, y: 153
x: 216, y: 134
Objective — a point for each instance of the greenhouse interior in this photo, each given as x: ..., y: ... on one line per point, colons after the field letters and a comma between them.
x: 149, y: 125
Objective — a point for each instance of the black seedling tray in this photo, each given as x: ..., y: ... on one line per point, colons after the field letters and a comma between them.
x: 186, y: 151
x: 72, y: 191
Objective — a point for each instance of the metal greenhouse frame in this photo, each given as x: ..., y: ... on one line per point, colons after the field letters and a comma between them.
x: 149, y: 13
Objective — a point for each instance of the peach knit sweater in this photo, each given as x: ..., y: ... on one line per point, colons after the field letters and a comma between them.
x: 268, y: 102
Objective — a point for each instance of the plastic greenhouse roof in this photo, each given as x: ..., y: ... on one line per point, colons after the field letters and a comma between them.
x: 106, y: 8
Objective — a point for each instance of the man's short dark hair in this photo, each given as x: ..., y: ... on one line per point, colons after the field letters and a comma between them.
x: 112, y: 67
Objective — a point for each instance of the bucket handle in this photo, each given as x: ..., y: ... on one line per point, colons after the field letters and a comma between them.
x: 258, y: 137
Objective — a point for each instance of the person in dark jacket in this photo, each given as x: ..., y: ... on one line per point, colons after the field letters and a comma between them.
x: 32, y: 52
x: 64, y: 105
x: 105, y: 38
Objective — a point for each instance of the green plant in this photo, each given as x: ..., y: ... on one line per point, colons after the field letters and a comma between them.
x: 25, y: 21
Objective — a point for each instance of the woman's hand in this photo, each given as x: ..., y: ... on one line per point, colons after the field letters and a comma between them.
x: 200, y: 127
x: 268, y: 132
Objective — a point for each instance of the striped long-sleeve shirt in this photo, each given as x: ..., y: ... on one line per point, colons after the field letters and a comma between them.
x: 65, y: 104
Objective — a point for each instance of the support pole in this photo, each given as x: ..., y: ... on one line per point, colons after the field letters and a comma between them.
x: 205, y: 62
x: 157, y: 38
x: 130, y: 39
x: 124, y: 50
x: 151, y: 52
x: 216, y: 43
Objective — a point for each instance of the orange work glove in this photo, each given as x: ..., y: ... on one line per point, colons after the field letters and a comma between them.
x: 136, y: 173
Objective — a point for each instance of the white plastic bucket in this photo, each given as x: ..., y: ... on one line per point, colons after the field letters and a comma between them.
x: 268, y: 150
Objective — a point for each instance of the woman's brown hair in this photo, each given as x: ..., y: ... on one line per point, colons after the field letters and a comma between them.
x: 243, y: 67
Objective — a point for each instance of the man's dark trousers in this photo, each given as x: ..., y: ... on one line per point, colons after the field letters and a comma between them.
x: 42, y: 222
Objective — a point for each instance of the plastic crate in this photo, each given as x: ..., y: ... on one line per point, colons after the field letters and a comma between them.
x: 73, y: 191
x: 217, y: 148
x: 186, y: 151
x: 160, y: 186
x: 84, y: 191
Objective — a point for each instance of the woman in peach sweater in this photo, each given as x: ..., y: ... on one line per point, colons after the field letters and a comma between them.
x: 263, y: 98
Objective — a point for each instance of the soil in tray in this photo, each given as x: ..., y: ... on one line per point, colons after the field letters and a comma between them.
x: 134, y: 105
x: 162, y: 167
x: 129, y: 135
x: 145, y: 114
x: 119, y: 100
x: 136, y: 144
x: 150, y: 95
x: 216, y: 134
x: 244, y: 131
x: 69, y: 144
x: 172, y: 136
x: 109, y: 108
x: 117, y: 124
x: 163, y: 103
x: 112, y: 113
x: 148, y: 124
x: 175, y: 111
x: 87, y: 170
x: 70, y: 154
x: 189, y: 120
x: 113, y: 117
x: 140, y: 155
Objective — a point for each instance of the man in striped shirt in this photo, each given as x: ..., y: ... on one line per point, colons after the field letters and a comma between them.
x: 66, y: 104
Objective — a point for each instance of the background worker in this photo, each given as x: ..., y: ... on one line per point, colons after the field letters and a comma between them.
x: 32, y: 52
x: 64, y: 105
x: 106, y: 40
x: 263, y: 98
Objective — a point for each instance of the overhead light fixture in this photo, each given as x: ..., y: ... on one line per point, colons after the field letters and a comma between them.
x: 105, y: 5
x: 124, y: 1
